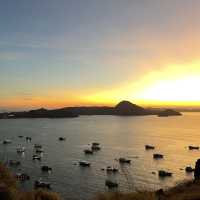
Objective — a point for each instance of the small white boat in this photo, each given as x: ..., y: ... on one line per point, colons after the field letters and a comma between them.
x: 7, y: 141
x: 28, y: 139
x: 21, y: 149
x: 42, y: 184
x: 36, y: 157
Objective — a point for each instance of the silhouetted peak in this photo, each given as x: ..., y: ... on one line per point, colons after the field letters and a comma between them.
x: 128, y: 108
x: 126, y: 105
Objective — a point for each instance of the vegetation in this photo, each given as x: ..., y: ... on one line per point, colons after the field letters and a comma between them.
x: 10, y: 191
x: 184, y: 191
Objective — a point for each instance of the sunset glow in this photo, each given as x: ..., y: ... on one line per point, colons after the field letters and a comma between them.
x: 98, y: 57
x: 176, y: 85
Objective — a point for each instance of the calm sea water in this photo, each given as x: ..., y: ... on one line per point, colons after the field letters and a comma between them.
x: 119, y: 137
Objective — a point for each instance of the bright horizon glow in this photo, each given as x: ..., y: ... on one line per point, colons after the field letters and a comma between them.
x: 176, y: 85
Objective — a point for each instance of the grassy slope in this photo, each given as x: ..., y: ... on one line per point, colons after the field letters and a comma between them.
x: 10, y: 191
x: 184, y: 191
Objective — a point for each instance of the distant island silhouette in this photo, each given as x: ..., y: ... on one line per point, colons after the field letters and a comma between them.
x: 169, y: 112
x: 124, y: 108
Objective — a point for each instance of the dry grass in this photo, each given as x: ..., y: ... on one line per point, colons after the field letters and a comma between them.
x: 9, y: 190
x: 38, y: 195
x: 183, y: 191
x: 128, y: 196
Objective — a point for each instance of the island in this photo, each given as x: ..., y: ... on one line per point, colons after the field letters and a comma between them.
x: 124, y: 108
x: 169, y: 112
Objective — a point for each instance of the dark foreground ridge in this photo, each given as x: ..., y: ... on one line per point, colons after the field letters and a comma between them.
x: 124, y: 108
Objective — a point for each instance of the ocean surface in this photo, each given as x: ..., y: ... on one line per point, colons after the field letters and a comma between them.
x: 118, y: 136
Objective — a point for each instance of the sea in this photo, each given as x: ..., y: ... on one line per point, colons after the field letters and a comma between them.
x: 118, y: 137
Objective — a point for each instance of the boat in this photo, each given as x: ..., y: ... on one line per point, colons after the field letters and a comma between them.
x: 162, y: 173
x: 46, y: 168
x: 111, y: 184
x: 22, y: 177
x: 62, y: 138
x: 149, y: 147
x: 193, y: 147
x: 84, y: 163
x: 21, y: 149
x: 37, y: 146
x: 6, y: 141
x: 88, y: 151
x: 124, y: 160
x: 20, y: 136
x: 111, y: 169
x: 158, y: 156
x: 36, y: 157
x: 14, y: 163
x: 189, y: 169
x: 28, y: 139
x: 95, y: 144
x: 39, y: 150
x: 41, y: 184
x: 96, y: 148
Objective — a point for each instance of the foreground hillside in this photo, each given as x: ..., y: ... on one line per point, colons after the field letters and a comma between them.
x: 183, y: 191
x: 10, y: 191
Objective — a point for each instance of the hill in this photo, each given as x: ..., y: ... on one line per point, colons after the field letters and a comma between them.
x: 124, y: 108
x: 169, y: 112
x: 128, y: 108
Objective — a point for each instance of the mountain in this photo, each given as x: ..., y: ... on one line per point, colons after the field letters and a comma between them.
x: 127, y: 108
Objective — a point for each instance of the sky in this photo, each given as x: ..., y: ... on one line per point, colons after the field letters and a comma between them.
x: 99, y: 52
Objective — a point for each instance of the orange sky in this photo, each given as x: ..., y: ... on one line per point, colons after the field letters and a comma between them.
x: 149, y: 54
